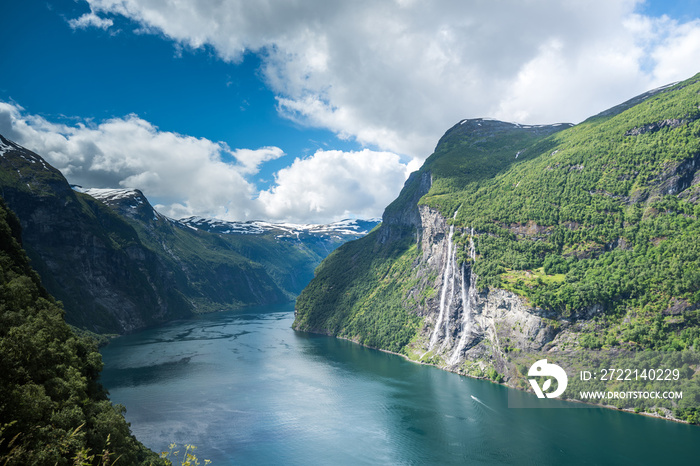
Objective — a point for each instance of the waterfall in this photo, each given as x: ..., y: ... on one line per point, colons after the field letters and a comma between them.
x: 447, y: 284
x: 468, y: 302
x: 453, y: 267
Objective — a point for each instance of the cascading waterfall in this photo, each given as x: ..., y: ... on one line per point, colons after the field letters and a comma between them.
x: 453, y: 268
x: 447, y: 284
x: 468, y: 302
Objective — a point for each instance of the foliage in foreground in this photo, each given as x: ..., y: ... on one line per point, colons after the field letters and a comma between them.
x: 188, y: 457
x: 52, y: 408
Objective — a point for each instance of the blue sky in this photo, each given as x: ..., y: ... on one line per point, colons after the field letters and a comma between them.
x: 309, y: 111
x: 66, y: 74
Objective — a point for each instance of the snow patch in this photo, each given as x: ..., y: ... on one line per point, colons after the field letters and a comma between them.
x: 6, y: 147
x: 105, y: 194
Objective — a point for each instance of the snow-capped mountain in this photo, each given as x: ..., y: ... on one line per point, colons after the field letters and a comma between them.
x: 132, y: 202
x: 345, y: 229
x: 129, y: 202
x: 112, y: 194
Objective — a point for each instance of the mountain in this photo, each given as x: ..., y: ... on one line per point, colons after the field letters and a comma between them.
x: 242, y: 263
x: 232, y: 264
x: 118, y: 265
x: 87, y: 256
x: 513, y: 241
x: 343, y: 230
x: 52, y: 406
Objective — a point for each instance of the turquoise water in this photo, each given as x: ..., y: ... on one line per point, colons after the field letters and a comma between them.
x: 246, y: 389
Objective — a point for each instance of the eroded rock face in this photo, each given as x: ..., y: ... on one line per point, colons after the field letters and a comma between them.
x: 464, y: 326
x: 87, y: 257
x: 656, y: 126
x: 402, y: 216
x: 108, y: 282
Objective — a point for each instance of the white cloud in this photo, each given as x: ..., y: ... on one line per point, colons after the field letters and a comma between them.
x: 678, y: 55
x: 397, y: 74
x: 335, y: 184
x: 187, y: 176
x: 251, y: 160
x: 90, y: 20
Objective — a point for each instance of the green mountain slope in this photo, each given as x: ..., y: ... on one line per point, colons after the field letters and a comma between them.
x: 207, y: 271
x: 611, y: 205
x: 514, y: 239
x: 52, y: 408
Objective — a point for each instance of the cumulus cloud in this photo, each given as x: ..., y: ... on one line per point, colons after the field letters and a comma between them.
x: 333, y: 182
x: 677, y: 55
x: 187, y: 176
x: 396, y: 74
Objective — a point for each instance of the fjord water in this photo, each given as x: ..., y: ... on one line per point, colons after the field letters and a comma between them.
x: 246, y: 389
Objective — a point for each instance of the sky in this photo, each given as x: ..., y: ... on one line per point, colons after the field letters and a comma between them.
x: 310, y: 111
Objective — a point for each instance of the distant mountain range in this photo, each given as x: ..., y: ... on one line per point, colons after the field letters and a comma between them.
x: 344, y: 229
x: 118, y: 265
x: 128, y: 201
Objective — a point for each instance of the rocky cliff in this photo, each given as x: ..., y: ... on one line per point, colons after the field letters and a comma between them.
x: 467, y: 330
x: 222, y: 264
x: 409, y: 266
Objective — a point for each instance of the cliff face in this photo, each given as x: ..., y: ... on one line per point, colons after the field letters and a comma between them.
x: 87, y: 256
x: 402, y: 217
x: 467, y: 330
x: 206, y: 271
x: 222, y: 265
x: 403, y: 287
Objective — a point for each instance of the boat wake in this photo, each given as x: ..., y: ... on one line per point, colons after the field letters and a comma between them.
x: 482, y: 403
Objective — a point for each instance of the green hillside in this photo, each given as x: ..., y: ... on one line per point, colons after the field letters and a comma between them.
x: 611, y: 205
x: 205, y: 269
x: 221, y: 265
x: 603, y: 214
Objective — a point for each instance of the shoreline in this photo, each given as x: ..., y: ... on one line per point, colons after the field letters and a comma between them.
x: 592, y: 405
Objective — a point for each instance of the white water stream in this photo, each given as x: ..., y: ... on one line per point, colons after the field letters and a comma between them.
x: 467, y: 298
x: 447, y: 284
x: 468, y: 302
